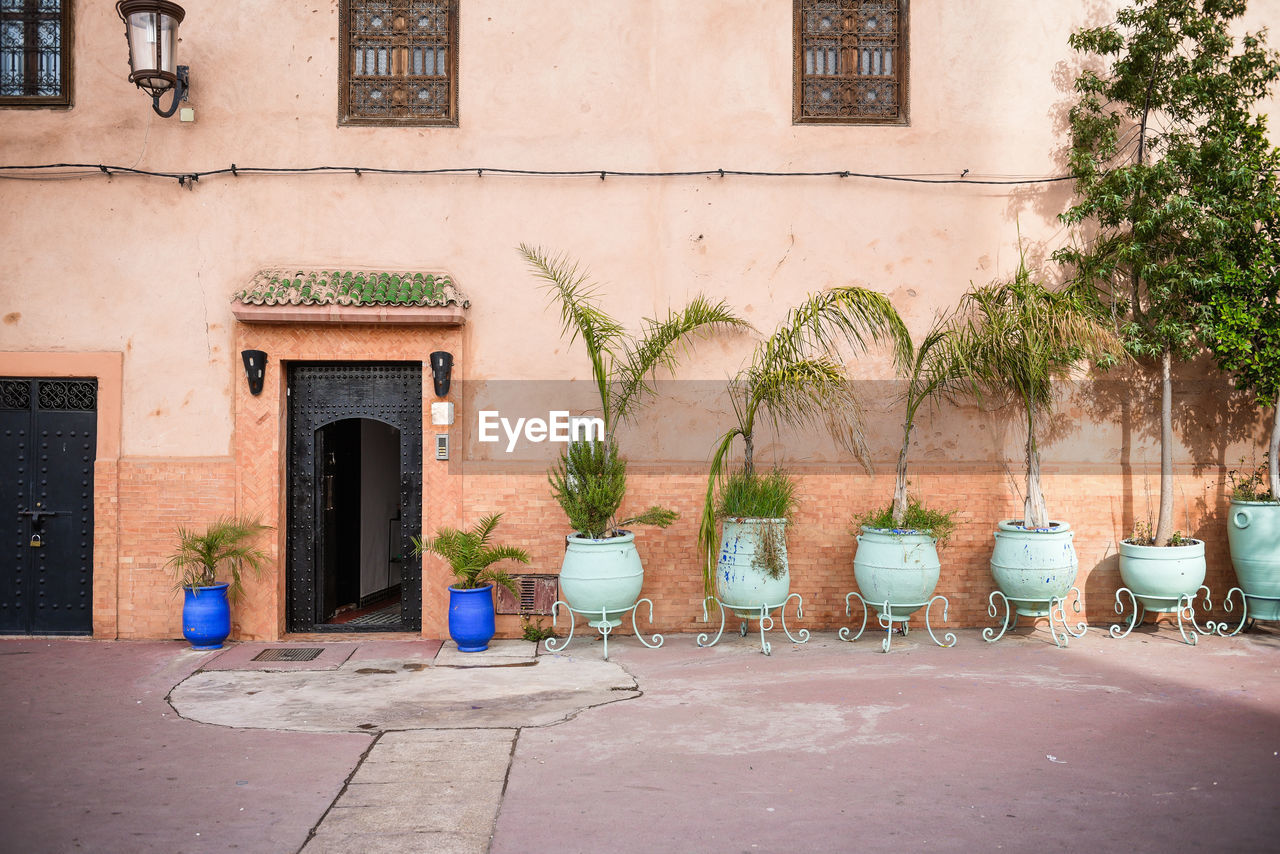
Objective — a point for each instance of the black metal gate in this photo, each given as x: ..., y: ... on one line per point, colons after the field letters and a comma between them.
x: 48, y: 442
x: 321, y: 395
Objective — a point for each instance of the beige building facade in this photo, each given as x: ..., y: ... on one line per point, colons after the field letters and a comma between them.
x: 598, y: 130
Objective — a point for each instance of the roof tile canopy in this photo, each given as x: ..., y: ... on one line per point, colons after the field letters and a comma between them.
x: 348, y: 296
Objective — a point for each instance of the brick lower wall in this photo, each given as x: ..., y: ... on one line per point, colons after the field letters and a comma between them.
x: 155, y: 496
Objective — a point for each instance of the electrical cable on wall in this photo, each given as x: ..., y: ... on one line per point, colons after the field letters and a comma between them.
x: 51, y: 171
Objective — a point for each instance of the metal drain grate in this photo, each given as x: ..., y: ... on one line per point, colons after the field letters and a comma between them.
x: 284, y: 653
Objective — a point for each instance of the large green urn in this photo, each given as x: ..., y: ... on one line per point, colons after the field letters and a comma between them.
x: 1253, y: 535
x: 747, y: 547
x: 601, y: 576
x: 1032, y: 566
x: 1160, y: 575
x: 899, y: 567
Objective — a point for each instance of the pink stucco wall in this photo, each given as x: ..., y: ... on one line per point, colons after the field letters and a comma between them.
x: 144, y: 267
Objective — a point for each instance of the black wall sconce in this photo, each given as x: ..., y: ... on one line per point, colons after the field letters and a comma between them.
x: 441, y: 369
x: 255, y: 368
x: 151, y: 26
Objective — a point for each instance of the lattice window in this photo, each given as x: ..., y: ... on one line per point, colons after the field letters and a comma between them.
x: 851, y: 61
x: 399, y: 62
x: 35, y: 53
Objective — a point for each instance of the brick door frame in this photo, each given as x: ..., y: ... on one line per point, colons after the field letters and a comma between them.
x: 260, y: 448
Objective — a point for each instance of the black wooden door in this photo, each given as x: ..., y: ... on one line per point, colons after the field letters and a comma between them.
x: 48, y: 442
x: 322, y: 395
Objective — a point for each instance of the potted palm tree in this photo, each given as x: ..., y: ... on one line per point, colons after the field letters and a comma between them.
x: 1016, y: 338
x: 795, y: 377
x: 471, y: 556
x: 601, y: 573
x: 896, y: 564
x: 201, y: 556
x: 602, y: 569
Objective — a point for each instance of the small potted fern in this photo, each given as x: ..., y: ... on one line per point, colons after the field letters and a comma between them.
x: 602, y: 573
x: 472, y: 556
x: 227, y: 544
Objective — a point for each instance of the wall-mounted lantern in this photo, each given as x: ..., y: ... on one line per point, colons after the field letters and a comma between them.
x: 441, y: 369
x: 255, y: 368
x: 152, y: 29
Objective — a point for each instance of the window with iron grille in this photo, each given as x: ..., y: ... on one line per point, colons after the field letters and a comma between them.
x: 35, y: 53
x: 398, y: 62
x: 851, y: 61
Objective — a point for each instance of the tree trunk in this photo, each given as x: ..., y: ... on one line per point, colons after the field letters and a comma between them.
x: 1035, y: 513
x: 1274, y: 456
x: 748, y: 465
x: 900, y: 488
x: 1164, y: 522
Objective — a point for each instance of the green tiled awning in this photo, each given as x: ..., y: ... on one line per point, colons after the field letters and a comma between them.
x: 350, y: 296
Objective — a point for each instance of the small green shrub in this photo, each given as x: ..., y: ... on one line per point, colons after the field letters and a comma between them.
x: 533, y: 630
x: 589, y: 482
x: 757, y: 496
x: 1253, y: 486
x: 937, y: 523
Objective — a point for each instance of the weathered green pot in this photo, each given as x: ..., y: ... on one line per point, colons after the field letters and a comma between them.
x: 1253, y: 534
x: 900, y: 567
x: 738, y: 580
x: 1033, y: 565
x: 600, y: 574
x: 1159, y: 575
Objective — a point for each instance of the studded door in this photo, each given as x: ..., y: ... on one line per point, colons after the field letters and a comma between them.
x: 48, y: 442
x: 321, y: 394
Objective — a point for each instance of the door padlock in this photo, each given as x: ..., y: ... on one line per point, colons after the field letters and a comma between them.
x: 36, y: 541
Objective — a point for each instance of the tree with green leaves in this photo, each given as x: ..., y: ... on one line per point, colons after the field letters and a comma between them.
x: 1153, y: 134
x: 1013, y: 339
x: 472, y: 554
x: 798, y: 377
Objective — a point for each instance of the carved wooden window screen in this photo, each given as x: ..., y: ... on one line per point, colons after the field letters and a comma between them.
x: 35, y: 53
x: 851, y: 61
x: 399, y: 62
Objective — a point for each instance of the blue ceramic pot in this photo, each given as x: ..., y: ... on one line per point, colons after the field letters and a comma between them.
x: 206, y: 616
x: 471, y: 618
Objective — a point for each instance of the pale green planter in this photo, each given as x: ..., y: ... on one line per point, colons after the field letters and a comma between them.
x: 898, y: 567
x: 601, y: 575
x: 1159, y: 576
x: 1033, y: 565
x: 1253, y: 534
x: 738, y: 580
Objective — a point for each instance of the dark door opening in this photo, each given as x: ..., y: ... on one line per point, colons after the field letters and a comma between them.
x: 48, y: 444
x: 359, y: 566
x: 355, y: 485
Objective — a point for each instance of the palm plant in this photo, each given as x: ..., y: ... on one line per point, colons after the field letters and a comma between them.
x: 1014, y: 339
x: 936, y: 368
x: 623, y: 365
x: 796, y: 377
x: 471, y: 556
x: 225, y: 543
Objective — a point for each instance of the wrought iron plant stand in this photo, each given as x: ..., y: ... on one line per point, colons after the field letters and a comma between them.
x: 1055, y: 608
x: 604, y: 620
x: 761, y: 613
x: 887, y: 618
